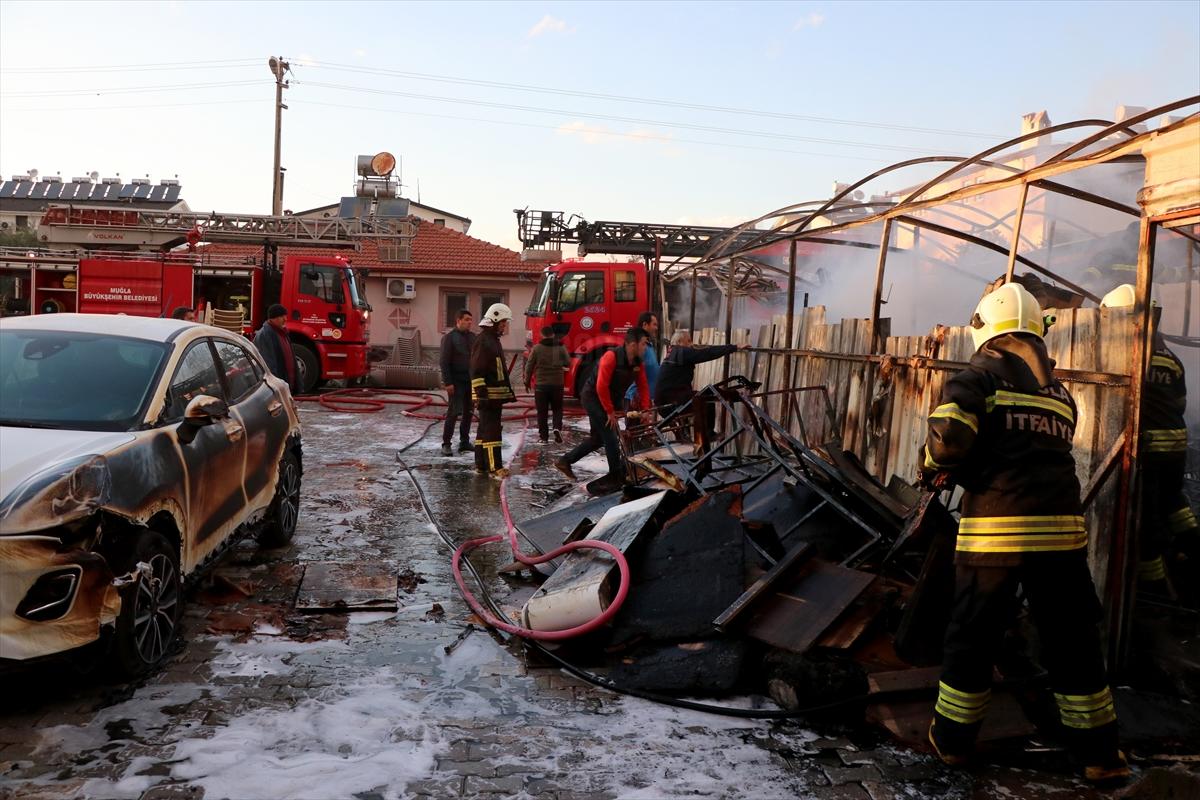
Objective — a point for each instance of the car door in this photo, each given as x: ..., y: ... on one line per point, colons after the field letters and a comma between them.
x: 262, y: 413
x: 214, y: 460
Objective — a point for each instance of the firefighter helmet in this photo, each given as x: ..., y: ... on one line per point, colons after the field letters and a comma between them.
x: 1009, y: 309
x: 496, y: 313
x: 1121, y: 297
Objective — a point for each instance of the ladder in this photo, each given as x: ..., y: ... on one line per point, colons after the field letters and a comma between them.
x: 101, y: 226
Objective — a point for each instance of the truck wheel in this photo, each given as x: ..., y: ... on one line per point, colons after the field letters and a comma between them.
x: 280, y: 525
x: 308, y: 367
x: 150, y: 611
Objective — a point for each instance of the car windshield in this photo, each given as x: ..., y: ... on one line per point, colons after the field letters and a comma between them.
x: 76, y: 381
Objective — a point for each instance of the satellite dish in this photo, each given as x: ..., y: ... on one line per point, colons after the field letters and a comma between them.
x: 383, y: 164
x: 33, y: 173
x: 94, y: 175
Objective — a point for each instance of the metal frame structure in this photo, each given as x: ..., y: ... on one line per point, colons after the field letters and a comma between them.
x: 1112, y: 143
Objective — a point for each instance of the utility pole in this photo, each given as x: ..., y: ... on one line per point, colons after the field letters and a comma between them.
x: 279, y: 68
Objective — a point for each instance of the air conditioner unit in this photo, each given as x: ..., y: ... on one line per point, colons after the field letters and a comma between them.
x: 401, y: 289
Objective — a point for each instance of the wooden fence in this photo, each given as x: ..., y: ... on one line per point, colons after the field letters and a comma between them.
x: 881, y: 400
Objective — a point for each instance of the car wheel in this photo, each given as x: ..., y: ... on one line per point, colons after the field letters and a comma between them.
x: 280, y: 525
x: 150, y: 610
x: 308, y: 367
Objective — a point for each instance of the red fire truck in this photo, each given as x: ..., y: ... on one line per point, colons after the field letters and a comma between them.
x: 327, y: 314
x: 590, y: 304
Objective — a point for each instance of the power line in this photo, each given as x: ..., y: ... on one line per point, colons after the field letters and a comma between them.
x: 614, y: 118
x: 643, y: 100
x: 143, y: 106
x: 167, y: 65
x: 129, y: 89
x: 664, y: 139
x: 521, y: 87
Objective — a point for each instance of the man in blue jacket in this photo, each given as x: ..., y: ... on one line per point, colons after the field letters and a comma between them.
x: 647, y: 321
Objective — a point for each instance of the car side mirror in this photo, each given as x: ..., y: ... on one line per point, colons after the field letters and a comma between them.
x: 202, y: 410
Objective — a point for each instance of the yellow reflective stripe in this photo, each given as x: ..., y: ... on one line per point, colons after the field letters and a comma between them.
x: 953, y: 411
x: 1152, y: 570
x: 1084, y: 711
x: 477, y: 382
x: 482, y: 443
x: 1029, y: 543
x: 1024, y: 524
x: 499, y: 368
x: 1166, y: 363
x: 1005, y: 398
x: 963, y: 707
x: 1181, y: 520
x: 1164, y: 440
x: 929, y: 462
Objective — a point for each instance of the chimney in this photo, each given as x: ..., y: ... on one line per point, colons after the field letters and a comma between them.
x: 1125, y: 112
x: 1032, y: 122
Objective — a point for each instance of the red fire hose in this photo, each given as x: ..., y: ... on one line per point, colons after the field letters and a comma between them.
x: 529, y: 633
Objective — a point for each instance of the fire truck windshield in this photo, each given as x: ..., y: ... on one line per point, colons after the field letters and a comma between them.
x: 355, y: 297
x: 540, y: 295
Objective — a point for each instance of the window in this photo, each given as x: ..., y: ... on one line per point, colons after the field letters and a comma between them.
x: 441, y: 222
x: 242, y: 374
x: 195, y: 375
x: 22, y: 221
x: 452, y: 303
x: 624, y: 286
x: 580, y: 289
x: 322, y: 282
x: 487, y: 299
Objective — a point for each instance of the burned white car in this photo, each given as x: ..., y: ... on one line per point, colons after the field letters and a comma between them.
x: 133, y: 451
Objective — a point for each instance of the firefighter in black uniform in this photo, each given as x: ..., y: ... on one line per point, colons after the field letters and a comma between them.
x: 490, y: 383
x: 1168, y: 525
x: 1003, y: 432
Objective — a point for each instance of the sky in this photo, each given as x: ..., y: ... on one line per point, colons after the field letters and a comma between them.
x: 705, y: 113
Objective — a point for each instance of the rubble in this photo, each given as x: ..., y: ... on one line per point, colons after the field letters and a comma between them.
x: 784, y: 570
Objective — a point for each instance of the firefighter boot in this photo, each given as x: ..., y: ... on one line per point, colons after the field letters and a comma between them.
x: 1110, y: 771
x: 948, y: 758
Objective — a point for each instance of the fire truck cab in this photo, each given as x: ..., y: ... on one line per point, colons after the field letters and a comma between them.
x: 590, y: 305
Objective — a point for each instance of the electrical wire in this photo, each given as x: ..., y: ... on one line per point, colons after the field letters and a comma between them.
x: 131, y: 89
x: 608, y: 117
x: 424, y: 76
x: 147, y: 67
x: 616, y: 134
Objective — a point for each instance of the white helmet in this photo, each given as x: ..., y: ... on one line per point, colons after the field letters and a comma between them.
x: 497, y: 313
x: 1009, y: 309
x: 1121, y: 297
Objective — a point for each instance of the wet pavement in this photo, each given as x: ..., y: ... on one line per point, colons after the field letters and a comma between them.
x: 260, y: 701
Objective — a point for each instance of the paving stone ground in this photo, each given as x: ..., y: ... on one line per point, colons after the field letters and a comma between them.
x: 259, y: 701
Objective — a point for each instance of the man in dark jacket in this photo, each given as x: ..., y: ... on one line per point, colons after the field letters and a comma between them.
x: 272, y: 341
x: 456, y: 380
x: 490, y: 383
x: 677, y: 373
x: 547, y: 365
x: 1003, y: 433
x: 603, y: 396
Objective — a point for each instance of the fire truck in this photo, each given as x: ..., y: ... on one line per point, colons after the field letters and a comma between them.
x: 137, y: 273
x: 592, y: 304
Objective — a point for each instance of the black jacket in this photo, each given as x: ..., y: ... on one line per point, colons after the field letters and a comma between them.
x: 269, y: 345
x: 1004, y: 431
x: 456, y: 357
x: 489, y: 373
x: 1164, y: 400
x: 678, y: 370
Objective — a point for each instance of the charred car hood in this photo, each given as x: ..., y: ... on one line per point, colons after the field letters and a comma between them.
x: 48, y: 477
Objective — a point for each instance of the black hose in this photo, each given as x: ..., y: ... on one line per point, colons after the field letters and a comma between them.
x: 603, y: 682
